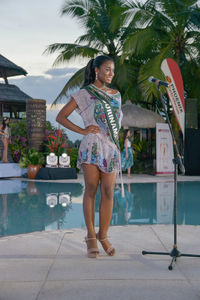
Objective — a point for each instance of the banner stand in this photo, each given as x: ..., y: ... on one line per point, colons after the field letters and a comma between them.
x: 177, y: 163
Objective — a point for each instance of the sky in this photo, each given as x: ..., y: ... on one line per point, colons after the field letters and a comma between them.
x: 26, y: 28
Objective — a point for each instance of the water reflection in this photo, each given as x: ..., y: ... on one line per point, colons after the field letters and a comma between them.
x: 164, y: 202
x: 123, y: 206
x: 152, y: 203
x: 35, y: 206
x: 189, y: 203
x: 27, y: 210
x: 54, y: 199
x: 139, y: 204
x: 3, y: 214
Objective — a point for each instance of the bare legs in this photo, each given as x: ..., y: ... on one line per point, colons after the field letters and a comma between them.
x: 129, y: 172
x: 105, y: 212
x: 92, y: 176
x: 5, y: 151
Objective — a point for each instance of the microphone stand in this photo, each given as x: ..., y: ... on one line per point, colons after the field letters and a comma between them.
x: 177, y: 163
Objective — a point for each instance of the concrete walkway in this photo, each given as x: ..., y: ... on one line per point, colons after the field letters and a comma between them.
x: 53, y: 265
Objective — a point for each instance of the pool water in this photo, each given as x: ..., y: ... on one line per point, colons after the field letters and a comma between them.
x: 37, y: 206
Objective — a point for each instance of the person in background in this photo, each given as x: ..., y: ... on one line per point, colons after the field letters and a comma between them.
x: 5, y: 137
x: 123, y: 205
x: 99, y: 151
x: 127, y: 154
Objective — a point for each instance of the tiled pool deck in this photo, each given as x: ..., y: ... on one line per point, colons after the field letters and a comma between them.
x: 53, y: 265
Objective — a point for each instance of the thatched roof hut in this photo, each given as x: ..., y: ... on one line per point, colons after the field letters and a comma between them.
x: 9, y: 69
x: 11, y: 93
x: 12, y: 99
x: 138, y: 117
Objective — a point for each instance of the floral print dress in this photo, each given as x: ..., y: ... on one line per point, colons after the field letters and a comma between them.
x: 97, y: 148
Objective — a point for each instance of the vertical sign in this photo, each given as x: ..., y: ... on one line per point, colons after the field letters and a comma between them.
x: 164, y: 150
x: 175, y: 90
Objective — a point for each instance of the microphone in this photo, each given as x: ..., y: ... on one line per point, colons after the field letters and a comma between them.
x: 152, y: 79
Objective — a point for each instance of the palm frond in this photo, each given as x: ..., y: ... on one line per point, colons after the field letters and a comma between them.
x: 137, y: 15
x: 152, y: 68
x: 125, y: 74
x: 83, y: 38
x: 194, y: 17
x: 140, y: 33
x: 191, y: 70
x: 75, y: 81
x: 75, y: 8
x: 138, y: 42
x: 70, y: 51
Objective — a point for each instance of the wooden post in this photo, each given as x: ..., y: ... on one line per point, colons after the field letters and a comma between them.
x: 36, y: 122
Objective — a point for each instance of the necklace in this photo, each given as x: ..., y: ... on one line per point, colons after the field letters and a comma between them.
x: 102, y: 91
x: 104, y: 88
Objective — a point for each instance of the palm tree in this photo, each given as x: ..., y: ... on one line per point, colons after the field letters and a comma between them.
x: 165, y: 28
x: 105, y: 31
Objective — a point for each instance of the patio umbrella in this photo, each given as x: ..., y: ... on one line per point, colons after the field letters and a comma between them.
x: 136, y: 116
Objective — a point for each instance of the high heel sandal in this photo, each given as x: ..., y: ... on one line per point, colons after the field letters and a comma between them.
x: 110, y: 250
x: 91, y: 252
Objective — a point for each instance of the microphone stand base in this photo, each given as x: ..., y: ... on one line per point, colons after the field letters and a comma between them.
x: 174, y: 254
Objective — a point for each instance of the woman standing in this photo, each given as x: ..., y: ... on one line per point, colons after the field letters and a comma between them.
x: 5, y: 136
x: 99, y: 156
x: 127, y: 153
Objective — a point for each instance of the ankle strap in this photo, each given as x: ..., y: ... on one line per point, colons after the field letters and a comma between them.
x: 104, y: 239
x: 88, y: 239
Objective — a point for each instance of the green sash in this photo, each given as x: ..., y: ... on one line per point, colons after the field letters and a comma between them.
x: 111, y: 118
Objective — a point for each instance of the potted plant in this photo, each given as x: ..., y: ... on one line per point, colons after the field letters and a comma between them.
x: 33, y: 161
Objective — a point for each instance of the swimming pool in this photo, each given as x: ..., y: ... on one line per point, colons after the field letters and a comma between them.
x: 27, y: 206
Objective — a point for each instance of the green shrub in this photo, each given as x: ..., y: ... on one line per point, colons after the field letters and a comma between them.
x: 141, y: 149
x: 18, y: 145
x: 32, y: 157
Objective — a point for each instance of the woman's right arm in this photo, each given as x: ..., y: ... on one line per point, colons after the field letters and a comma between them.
x: 65, y: 112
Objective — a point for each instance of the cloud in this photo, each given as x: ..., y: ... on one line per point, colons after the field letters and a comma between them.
x: 44, y: 86
x: 24, y: 39
x: 61, y: 71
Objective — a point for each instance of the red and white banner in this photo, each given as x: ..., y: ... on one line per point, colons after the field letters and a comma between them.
x: 175, y: 90
x: 164, y: 150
